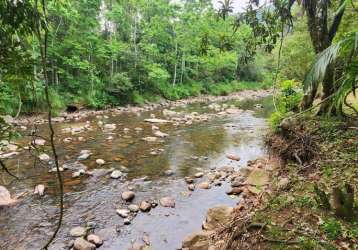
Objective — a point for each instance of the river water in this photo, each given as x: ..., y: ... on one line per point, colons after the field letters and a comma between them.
x: 94, y: 199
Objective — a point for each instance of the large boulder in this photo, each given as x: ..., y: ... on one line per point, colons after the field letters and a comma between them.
x: 217, y: 217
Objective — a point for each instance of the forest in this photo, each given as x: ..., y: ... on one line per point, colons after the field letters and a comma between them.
x: 178, y: 124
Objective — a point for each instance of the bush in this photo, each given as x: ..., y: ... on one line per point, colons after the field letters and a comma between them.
x: 287, y: 102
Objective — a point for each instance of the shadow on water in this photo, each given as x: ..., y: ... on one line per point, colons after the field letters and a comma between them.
x: 188, y: 149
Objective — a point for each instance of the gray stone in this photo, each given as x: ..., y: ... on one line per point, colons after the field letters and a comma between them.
x: 145, y: 206
x: 95, y: 239
x: 128, y: 195
x: 124, y: 213
x: 167, y: 202
x: 78, y: 232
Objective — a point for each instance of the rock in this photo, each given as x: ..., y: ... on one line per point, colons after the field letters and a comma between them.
x: 188, y: 180
x: 154, y: 127
x: 197, y: 241
x: 40, y: 190
x: 204, y: 185
x: 5, y: 198
x: 160, y: 134
x: 245, y: 171
x: 100, y: 161
x: 138, y: 129
x: 84, y: 156
x: 78, y: 232
x: 116, y: 174
x: 283, y: 183
x: 74, y: 166
x: 126, y: 221
x: 39, y: 142
x: 199, y: 175
x: 137, y: 246
x: 67, y: 140
x: 78, y: 173
x: 110, y: 126
x: 236, y: 183
x: 154, y: 120
x: 169, y: 172
x: 191, y: 187
x: 167, y: 202
x: 257, y: 177
x: 133, y: 208
x: 128, y: 195
x: 218, y: 217
x: 124, y: 169
x: 44, y: 157
x: 95, y: 239
x: 150, y: 139
x: 233, y: 157
x: 235, y: 191
x: 145, y: 206
x: 82, y: 244
x: 124, y: 213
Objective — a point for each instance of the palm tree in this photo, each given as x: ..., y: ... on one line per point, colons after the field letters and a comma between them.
x: 225, y: 8
x: 341, y: 60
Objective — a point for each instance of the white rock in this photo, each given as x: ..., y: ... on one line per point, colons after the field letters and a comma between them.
x: 5, y: 197
x: 116, y: 174
x: 110, y: 126
x: 167, y: 202
x: 154, y: 120
x: 160, y: 134
x: 39, y: 142
x: 124, y: 213
x: 100, y: 161
x: 40, y: 190
x: 199, y: 175
x: 128, y: 195
x: 149, y: 139
x: 44, y: 157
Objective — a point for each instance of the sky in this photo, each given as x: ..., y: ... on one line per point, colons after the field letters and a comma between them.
x: 238, y: 4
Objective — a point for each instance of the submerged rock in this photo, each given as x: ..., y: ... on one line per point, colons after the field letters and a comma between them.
x: 233, y: 157
x: 82, y: 244
x: 167, y: 202
x: 78, y: 232
x: 160, y: 134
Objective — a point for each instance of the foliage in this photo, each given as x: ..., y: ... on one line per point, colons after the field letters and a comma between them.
x: 287, y: 101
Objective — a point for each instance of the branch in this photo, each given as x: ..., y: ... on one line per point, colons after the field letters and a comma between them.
x: 7, y: 170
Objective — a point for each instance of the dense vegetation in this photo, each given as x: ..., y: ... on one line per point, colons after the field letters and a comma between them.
x: 116, y: 52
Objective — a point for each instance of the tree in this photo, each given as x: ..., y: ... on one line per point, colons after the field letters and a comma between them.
x: 322, y: 31
x: 225, y: 8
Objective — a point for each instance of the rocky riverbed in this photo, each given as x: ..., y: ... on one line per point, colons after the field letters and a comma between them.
x: 134, y: 177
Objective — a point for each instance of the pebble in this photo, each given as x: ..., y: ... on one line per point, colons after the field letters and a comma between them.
x: 128, y: 195
x: 126, y: 221
x: 233, y: 157
x: 169, y: 172
x: 188, y: 180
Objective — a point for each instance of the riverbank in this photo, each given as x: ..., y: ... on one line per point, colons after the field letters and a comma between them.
x: 309, y: 200
x: 148, y: 106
